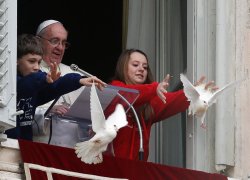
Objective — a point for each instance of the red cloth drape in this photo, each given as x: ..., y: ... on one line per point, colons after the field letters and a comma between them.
x: 66, y: 159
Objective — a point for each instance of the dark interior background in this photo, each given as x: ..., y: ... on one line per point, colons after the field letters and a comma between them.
x: 95, y: 30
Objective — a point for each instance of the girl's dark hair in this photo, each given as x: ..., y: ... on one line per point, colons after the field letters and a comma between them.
x: 28, y: 44
x: 122, y: 67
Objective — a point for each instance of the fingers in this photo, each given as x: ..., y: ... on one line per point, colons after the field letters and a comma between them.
x: 58, y: 75
x: 99, y: 83
x: 165, y: 82
x: 167, y: 78
x: 93, y: 79
x: 53, y: 67
x: 100, y: 87
x: 60, y: 109
x: 48, y: 78
x: 162, y: 96
x: 200, y: 81
x: 55, y: 74
x: 209, y: 84
x: 215, y: 88
x: 161, y: 88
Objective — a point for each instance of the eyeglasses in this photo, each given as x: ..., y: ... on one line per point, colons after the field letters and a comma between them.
x: 55, y: 42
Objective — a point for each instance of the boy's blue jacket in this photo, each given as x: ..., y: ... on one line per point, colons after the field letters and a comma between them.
x: 32, y: 91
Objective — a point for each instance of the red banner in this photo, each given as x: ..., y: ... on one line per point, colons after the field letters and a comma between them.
x: 66, y: 159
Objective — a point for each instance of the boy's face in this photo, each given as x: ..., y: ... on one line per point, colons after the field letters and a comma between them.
x: 28, y: 64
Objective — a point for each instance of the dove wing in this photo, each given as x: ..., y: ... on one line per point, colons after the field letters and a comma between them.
x: 189, y: 89
x: 223, y: 90
x: 118, y: 117
x: 96, y: 112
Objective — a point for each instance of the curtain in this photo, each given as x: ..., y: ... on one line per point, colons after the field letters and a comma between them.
x: 141, y: 27
x: 156, y: 27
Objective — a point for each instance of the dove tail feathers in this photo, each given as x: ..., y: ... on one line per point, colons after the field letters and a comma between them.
x: 82, y: 149
x: 88, y: 152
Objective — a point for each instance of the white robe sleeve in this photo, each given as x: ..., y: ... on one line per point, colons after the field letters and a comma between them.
x: 40, y: 125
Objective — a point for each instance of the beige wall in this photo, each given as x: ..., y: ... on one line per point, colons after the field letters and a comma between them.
x: 10, y: 160
x: 242, y: 106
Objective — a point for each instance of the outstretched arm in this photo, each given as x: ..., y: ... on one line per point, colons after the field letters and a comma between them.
x: 176, y: 102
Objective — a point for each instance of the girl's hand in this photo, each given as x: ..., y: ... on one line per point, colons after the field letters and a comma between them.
x: 161, y: 88
x: 209, y: 85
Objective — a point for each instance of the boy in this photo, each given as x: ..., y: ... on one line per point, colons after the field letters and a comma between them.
x: 35, y: 87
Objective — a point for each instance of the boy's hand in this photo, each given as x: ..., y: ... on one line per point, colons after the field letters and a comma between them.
x: 89, y: 80
x: 53, y: 74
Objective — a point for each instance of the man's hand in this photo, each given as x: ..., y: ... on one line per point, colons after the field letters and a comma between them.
x: 60, y: 109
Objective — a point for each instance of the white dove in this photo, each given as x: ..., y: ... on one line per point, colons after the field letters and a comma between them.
x: 201, y: 98
x: 105, y: 130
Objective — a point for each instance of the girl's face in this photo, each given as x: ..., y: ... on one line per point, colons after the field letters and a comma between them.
x: 137, y: 68
x: 28, y: 64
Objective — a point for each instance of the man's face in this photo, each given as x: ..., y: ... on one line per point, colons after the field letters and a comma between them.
x: 28, y: 64
x: 54, y: 42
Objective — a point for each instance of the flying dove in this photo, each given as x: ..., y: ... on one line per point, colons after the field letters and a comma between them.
x: 105, y: 130
x: 202, y: 98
